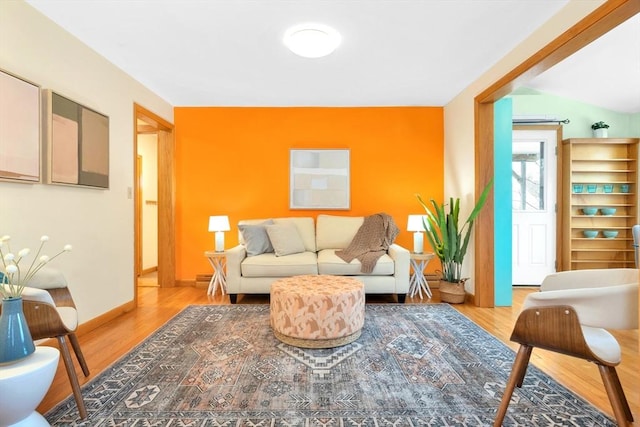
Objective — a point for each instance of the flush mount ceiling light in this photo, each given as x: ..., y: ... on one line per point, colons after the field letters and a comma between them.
x: 312, y: 40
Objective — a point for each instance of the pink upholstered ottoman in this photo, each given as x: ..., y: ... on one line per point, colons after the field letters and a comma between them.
x: 317, y: 311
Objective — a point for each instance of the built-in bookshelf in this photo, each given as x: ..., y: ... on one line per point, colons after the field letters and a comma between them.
x: 600, y: 174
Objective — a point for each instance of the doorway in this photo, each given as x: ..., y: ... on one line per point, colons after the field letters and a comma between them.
x: 148, y: 123
x: 600, y: 21
x: 147, y: 203
x: 534, y: 201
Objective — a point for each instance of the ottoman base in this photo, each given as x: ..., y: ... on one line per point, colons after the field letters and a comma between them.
x: 320, y: 343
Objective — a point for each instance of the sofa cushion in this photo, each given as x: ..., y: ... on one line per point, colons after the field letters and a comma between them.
x: 270, y: 265
x: 330, y: 263
x: 336, y: 232
x: 255, y: 238
x: 306, y: 229
x: 285, y: 238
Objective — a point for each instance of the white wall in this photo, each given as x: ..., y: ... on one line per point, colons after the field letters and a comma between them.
x: 459, y: 179
x: 148, y: 149
x: 98, y: 223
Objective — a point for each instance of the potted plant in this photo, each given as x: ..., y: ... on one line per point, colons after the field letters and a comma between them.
x: 449, y: 240
x: 599, y: 129
x: 15, y: 338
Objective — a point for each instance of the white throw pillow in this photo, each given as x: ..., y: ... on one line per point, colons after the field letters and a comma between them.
x: 285, y: 239
x: 256, y: 240
x: 336, y: 232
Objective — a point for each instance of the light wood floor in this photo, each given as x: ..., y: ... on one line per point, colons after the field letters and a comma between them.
x: 106, y: 344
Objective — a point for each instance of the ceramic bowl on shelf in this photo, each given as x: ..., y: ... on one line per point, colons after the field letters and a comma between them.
x: 589, y: 211
x: 610, y: 234
x: 607, y: 211
x: 590, y: 234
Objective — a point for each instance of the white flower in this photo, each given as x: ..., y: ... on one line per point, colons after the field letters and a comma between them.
x: 67, y: 248
x: 16, y: 278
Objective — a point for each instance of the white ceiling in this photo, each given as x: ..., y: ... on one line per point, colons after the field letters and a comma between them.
x: 605, y: 73
x: 393, y: 52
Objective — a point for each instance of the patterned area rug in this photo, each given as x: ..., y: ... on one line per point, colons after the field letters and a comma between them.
x: 414, y: 365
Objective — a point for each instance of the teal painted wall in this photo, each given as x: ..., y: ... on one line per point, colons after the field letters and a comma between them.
x: 503, y: 140
x: 580, y: 114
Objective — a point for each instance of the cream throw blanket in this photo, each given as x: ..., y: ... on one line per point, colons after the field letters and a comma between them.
x: 372, y: 240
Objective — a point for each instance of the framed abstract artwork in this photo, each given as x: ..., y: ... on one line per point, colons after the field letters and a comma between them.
x: 77, y: 143
x: 319, y: 179
x: 20, y: 137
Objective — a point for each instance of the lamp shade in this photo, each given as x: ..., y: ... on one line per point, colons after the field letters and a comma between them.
x: 219, y: 223
x: 415, y: 223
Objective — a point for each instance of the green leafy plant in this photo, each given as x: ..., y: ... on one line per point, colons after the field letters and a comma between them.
x: 599, y: 125
x: 448, y: 238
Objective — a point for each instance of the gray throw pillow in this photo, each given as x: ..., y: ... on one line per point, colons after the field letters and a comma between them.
x: 256, y: 240
x: 285, y: 238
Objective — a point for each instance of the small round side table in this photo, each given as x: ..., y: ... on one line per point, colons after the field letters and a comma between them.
x: 23, y: 384
x: 218, y: 261
x: 418, y: 283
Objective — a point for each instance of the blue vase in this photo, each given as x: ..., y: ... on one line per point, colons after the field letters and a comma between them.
x: 15, y: 339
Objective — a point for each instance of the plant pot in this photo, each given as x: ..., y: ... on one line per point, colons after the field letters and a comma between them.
x: 452, y: 293
x: 15, y: 338
x: 600, y: 133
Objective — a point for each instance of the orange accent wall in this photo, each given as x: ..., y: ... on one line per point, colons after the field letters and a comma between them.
x: 235, y: 161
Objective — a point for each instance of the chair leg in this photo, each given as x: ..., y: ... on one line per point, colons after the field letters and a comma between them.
x: 73, y: 378
x: 76, y: 349
x: 616, y: 395
x: 623, y: 398
x: 516, y: 377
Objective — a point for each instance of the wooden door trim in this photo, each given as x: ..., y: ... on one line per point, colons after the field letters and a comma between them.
x: 166, y: 194
x: 608, y: 16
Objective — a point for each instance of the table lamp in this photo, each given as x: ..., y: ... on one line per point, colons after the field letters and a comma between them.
x: 416, y: 224
x: 219, y: 224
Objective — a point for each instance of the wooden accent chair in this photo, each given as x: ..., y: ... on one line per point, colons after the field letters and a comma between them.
x: 51, y: 313
x: 569, y: 315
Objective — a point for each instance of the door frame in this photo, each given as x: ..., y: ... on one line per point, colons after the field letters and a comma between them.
x: 147, y: 121
x: 558, y: 181
x: 600, y: 21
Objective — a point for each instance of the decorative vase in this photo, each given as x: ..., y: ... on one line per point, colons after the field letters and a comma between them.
x: 452, y: 293
x: 15, y: 339
x: 600, y: 133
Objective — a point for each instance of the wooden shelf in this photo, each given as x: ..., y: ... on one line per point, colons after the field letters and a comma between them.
x: 598, y: 261
x: 603, y: 250
x: 601, y: 162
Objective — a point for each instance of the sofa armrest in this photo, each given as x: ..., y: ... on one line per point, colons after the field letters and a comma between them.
x: 401, y: 260
x: 235, y: 256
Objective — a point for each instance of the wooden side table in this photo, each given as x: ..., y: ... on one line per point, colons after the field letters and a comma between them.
x: 418, y: 282
x: 218, y: 261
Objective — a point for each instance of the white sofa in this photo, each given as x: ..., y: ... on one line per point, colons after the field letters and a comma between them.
x: 254, y: 274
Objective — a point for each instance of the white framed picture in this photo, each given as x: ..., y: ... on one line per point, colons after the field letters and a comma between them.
x: 19, y: 129
x: 319, y: 179
x: 77, y: 140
